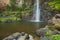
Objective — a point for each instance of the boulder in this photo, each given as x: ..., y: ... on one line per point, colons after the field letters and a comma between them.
x: 57, y: 16
x: 44, y: 38
x: 55, y: 22
x: 19, y: 36
x: 41, y: 32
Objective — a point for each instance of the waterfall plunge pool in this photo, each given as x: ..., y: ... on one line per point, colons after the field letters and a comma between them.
x: 28, y: 27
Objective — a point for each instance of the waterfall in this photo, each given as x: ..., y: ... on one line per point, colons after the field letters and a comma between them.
x: 36, y: 12
x: 37, y: 16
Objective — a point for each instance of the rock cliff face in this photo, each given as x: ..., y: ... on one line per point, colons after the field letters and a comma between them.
x: 4, y: 3
x: 55, y: 22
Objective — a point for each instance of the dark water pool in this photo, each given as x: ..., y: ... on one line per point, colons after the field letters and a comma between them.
x: 28, y: 27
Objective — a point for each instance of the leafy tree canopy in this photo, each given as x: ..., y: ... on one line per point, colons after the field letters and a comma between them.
x: 55, y: 4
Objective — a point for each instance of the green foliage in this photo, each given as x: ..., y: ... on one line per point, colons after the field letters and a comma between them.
x: 1, y: 19
x: 55, y: 4
x: 48, y: 32
x: 52, y: 37
x: 12, y: 2
x: 55, y: 37
x: 13, y: 12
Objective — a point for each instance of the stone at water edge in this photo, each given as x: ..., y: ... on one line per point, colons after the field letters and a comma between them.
x: 31, y: 37
x: 25, y: 37
x: 13, y: 36
x: 44, y: 38
x: 19, y: 36
x: 41, y: 31
x: 9, y: 38
x: 16, y: 35
x: 22, y: 33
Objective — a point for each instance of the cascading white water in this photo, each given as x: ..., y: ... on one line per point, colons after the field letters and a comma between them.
x: 36, y: 12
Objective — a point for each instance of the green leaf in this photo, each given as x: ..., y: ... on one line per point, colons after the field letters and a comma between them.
x: 57, y: 6
x: 55, y: 37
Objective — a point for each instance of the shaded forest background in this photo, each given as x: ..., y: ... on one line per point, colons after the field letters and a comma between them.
x: 20, y: 10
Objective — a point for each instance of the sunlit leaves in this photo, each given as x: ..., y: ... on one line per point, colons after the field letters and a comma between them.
x: 55, y: 4
x: 48, y: 32
x: 55, y: 37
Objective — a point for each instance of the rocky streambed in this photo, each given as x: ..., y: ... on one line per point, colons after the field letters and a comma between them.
x: 19, y: 36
